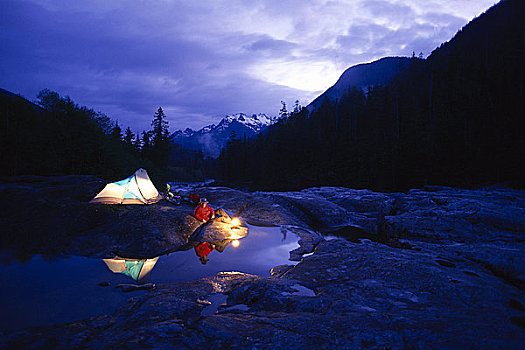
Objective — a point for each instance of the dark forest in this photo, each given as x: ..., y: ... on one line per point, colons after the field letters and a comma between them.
x: 59, y: 137
x: 455, y: 118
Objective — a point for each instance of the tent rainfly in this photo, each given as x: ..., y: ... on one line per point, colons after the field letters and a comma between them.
x: 136, y: 189
x: 138, y: 269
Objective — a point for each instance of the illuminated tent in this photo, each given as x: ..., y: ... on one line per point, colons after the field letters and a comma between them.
x: 138, y: 269
x: 136, y: 189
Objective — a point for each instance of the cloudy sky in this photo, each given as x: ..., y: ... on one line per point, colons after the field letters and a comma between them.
x: 203, y: 59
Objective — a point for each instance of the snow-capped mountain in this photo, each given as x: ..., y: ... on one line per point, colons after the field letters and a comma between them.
x: 212, y: 138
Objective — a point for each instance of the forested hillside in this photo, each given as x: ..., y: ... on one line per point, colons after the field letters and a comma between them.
x: 59, y: 137
x: 456, y: 118
x: 362, y: 76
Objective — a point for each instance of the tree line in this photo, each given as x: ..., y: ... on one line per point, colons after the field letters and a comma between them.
x: 455, y: 118
x: 59, y: 137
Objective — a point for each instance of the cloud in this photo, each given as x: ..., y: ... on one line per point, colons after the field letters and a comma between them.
x: 393, y: 13
x: 269, y: 46
x: 201, y: 60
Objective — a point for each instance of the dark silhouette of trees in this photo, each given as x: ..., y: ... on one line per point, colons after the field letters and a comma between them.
x: 160, y: 146
x: 283, y: 112
x: 116, y: 132
x: 160, y: 127
x: 455, y: 118
x: 296, y: 107
x: 58, y: 137
x: 128, y: 137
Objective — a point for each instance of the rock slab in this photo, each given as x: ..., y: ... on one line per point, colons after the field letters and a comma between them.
x: 431, y: 268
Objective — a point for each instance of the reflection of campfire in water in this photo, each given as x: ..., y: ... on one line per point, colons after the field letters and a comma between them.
x: 139, y: 269
x: 236, y: 235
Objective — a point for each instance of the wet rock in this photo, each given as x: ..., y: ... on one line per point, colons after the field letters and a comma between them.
x: 518, y: 321
x: 486, y: 226
x: 431, y: 268
x: 470, y: 273
x: 134, y: 287
x: 445, y: 263
x: 257, y: 206
x: 308, y: 239
x: 375, y: 296
x: 516, y: 305
x: 315, y: 210
x: 217, y: 230
x: 280, y: 270
x: 351, y: 233
x: 52, y: 215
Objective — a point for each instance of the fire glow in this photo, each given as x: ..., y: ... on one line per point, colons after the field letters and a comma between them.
x: 236, y: 222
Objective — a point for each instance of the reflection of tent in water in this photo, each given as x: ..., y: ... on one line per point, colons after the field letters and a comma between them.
x: 138, y: 269
x: 136, y: 189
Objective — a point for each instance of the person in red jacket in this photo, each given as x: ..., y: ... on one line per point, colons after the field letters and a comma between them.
x: 204, y: 212
x: 202, y: 251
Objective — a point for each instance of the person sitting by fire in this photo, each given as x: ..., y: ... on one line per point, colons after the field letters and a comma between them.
x: 205, y: 213
x: 203, y: 250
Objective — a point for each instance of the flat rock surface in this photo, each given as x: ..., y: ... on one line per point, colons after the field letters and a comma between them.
x: 431, y: 268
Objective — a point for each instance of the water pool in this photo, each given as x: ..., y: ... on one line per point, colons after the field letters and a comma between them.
x: 47, y: 290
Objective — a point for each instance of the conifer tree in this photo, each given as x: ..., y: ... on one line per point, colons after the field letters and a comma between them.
x: 283, y: 112
x: 128, y: 137
x: 296, y: 107
x: 146, y: 143
x: 160, y: 144
x: 160, y: 127
x: 116, y: 132
x: 136, y: 143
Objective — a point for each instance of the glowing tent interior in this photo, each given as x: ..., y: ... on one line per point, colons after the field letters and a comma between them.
x: 136, y: 189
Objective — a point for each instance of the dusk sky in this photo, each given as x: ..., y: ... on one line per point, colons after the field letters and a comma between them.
x: 201, y: 60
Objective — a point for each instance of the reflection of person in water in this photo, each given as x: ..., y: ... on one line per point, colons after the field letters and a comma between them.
x: 202, y: 251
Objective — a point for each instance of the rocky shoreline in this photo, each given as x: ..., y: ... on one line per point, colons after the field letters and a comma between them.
x: 431, y: 268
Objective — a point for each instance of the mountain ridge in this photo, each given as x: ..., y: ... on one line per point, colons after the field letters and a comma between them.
x: 453, y: 119
x: 363, y: 75
x: 210, y: 139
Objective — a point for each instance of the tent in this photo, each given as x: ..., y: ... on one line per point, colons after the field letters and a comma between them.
x: 138, y: 269
x: 136, y: 189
